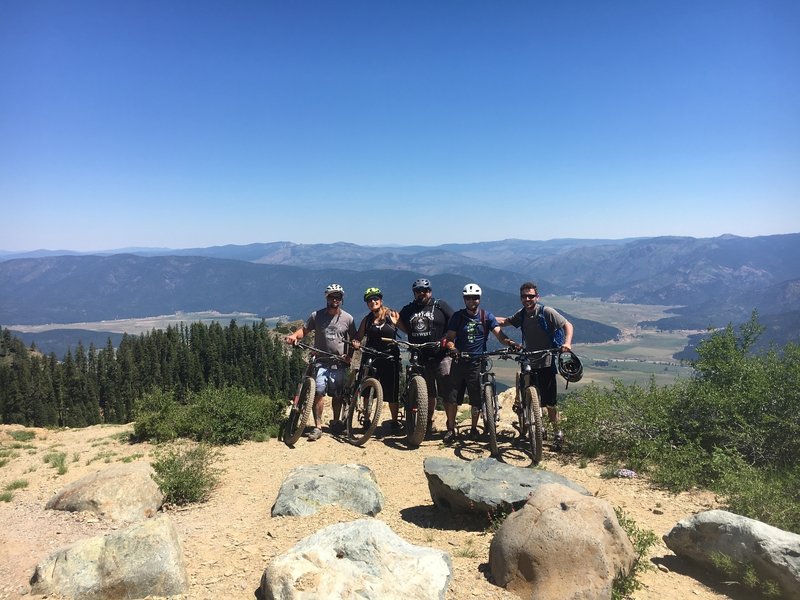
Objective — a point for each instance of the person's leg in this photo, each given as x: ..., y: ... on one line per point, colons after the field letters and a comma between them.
x: 322, y: 381
x: 475, y: 392
x: 455, y: 393
x: 440, y: 381
x: 548, y: 388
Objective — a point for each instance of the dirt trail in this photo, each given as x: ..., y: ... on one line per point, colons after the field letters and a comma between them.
x: 229, y: 540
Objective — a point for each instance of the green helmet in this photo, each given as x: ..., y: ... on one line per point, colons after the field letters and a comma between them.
x: 372, y: 291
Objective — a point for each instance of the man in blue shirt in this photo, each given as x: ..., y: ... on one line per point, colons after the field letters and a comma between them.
x: 468, y: 331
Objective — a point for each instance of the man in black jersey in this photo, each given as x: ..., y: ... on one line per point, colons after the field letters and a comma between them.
x: 425, y: 320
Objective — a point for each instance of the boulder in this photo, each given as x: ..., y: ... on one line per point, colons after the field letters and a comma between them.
x: 144, y: 560
x: 561, y: 545
x: 308, y: 487
x: 485, y: 486
x: 362, y: 559
x: 124, y: 492
x: 773, y: 553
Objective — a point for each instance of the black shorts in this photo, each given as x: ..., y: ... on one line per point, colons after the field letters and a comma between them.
x: 465, y: 376
x: 545, y: 380
x: 387, y: 372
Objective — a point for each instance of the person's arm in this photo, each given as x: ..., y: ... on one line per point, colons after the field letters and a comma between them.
x: 568, y: 331
x: 450, y: 339
x: 401, y: 323
x: 502, y: 321
x: 296, y: 336
x: 502, y: 337
x: 355, y: 340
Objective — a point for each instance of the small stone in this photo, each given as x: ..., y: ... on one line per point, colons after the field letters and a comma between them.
x: 663, y: 568
x: 658, y: 511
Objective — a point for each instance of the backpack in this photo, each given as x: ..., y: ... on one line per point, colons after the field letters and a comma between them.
x: 556, y: 337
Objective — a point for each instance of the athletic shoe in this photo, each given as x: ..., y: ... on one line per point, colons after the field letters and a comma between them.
x: 337, y: 426
x: 315, y: 434
x: 367, y: 423
x: 450, y: 436
x: 396, y: 428
x: 558, y: 441
x: 473, y: 433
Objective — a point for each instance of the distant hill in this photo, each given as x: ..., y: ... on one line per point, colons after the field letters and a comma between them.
x: 712, y: 281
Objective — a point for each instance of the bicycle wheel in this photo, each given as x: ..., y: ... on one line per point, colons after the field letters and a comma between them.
x: 532, y: 413
x: 299, y: 414
x: 416, y: 402
x: 489, y: 415
x: 364, y: 411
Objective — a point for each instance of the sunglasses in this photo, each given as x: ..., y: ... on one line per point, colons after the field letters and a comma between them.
x: 472, y: 297
x: 422, y: 290
x: 528, y: 296
x: 335, y: 297
x: 373, y: 299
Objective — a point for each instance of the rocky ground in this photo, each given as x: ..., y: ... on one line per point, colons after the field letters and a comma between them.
x: 229, y: 540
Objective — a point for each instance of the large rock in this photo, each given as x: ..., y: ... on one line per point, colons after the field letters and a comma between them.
x: 561, y: 545
x: 145, y: 559
x: 308, y: 487
x: 772, y: 552
x: 485, y: 486
x: 124, y: 492
x: 362, y: 559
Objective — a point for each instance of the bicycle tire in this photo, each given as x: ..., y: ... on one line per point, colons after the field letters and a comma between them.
x: 489, y: 416
x: 532, y: 408
x: 416, y: 410
x: 299, y: 415
x: 366, y: 403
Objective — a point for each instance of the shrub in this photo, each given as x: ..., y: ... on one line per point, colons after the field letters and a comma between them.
x: 214, y: 415
x: 17, y: 484
x: 642, y: 539
x: 22, y: 435
x: 186, y: 474
x: 57, y: 460
x: 733, y: 428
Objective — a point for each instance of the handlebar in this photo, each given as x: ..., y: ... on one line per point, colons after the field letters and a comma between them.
x: 317, y: 351
x: 511, y: 353
x: 410, y: 345
x: 373, y: 352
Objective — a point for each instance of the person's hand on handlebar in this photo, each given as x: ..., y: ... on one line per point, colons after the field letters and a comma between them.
x: 356, y: 344
x: 291, y: 340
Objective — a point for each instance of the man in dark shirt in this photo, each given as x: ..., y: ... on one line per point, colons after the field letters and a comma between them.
x: 425, y: 320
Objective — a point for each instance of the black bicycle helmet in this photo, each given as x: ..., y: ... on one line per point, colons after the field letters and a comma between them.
x: 421, y: 284
x: 570, y: 367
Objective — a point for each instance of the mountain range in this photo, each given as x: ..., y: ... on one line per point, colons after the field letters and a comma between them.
x: 713, y: 281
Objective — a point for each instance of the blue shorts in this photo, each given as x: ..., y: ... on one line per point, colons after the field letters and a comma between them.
x: 329, y: 380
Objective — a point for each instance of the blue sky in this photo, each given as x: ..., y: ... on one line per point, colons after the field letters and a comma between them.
x: 196, y: 123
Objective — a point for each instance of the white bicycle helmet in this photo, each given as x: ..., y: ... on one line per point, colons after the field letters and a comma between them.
x: 334, y: 288
x: 471, y: 289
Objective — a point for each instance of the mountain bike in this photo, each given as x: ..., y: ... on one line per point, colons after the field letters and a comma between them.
x: 527, y: 403
x: 490, y: 412
x: 414, y: 402
x: 363, y: 398
x: 303, y: 402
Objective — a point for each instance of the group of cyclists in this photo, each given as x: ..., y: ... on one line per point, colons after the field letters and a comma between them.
x: 450, y: 370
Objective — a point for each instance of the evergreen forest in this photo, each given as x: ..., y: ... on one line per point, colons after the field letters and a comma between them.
x: 88, y: 386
